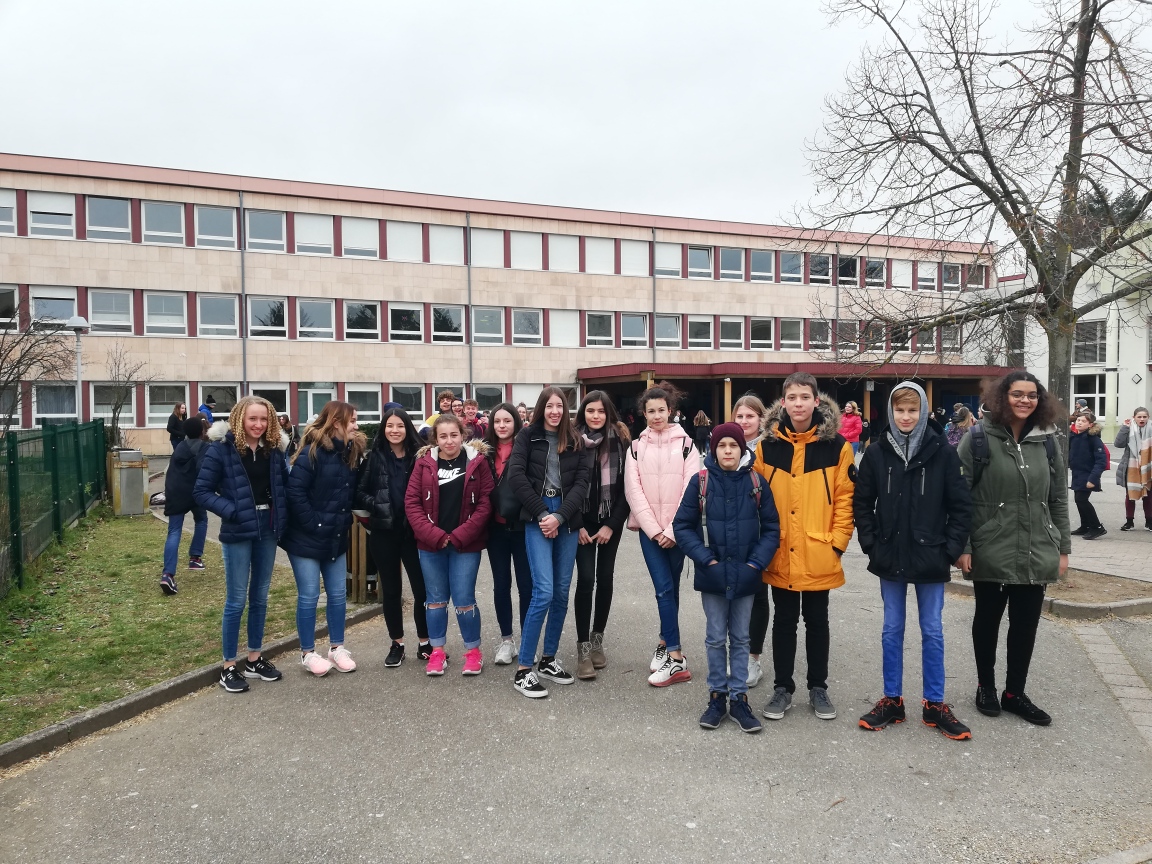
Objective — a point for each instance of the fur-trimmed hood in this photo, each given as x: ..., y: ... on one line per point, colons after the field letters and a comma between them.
x: 1095, y: 429
x: 826, y: 418
x: 221, y: 431
x: 475, y: 447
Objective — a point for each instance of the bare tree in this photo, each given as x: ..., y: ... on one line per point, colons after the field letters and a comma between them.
x: 123, y: 373
x: 1037, y: 147
x: 39, y: 352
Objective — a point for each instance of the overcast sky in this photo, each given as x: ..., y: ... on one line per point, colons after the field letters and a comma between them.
x: 682, y: 108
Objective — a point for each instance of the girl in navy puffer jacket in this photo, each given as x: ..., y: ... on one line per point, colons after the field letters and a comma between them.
x: 1087, y: 459
x: 321, y: 487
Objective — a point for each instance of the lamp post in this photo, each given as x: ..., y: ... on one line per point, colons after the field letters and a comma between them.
x: 77, y: 324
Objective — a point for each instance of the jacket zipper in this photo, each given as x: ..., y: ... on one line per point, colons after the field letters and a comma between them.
x: 889, y: 489
x: 827, y: 491
x: 921, y: 482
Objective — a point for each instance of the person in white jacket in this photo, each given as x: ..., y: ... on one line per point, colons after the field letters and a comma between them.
x: 660, y: 463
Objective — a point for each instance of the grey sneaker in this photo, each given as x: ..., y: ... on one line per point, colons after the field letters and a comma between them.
x: 821, y: 704
x: 780, y: 702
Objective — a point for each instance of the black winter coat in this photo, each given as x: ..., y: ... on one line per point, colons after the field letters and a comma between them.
x: 526, y: 467
x: 175, y: 430
x: 222, y: 487
x: 912, y: 521
x: 180, y: 478
x: 380, y: 488
x: 1087, y: 459
x: 320, y: 497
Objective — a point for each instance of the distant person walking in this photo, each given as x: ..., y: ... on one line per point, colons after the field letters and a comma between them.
x: 962, y: 421
x: 1087, y: 458
x: 1134, y: 467
x: 702, y: 431
x: 851, y: 425
x: 176, y: 424
x: 208, y: 407
x: 179, y: 485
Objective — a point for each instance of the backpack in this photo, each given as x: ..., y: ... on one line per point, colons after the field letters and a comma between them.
x: 688, y: 448
x: 982, y: 453
x: 703, y: 478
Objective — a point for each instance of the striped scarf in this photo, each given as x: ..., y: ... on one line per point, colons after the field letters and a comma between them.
x: 1139, y: 461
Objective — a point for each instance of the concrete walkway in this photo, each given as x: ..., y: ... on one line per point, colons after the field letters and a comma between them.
x: 389, y: 765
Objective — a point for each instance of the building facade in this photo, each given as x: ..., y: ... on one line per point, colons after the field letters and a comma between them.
x: 305, y: 292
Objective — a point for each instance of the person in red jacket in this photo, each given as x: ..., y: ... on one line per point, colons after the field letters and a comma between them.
x: 448, y: 503
x: 851, y: 424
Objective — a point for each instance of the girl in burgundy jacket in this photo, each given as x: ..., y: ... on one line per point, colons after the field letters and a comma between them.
x: 448, y: 503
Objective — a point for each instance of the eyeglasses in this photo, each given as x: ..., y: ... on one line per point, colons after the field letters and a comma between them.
x: 1017, y: 396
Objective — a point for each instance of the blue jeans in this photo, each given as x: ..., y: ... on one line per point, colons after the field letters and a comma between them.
x: 930, y: 602
x: 247, y: 575
x: 451, y: 574
x: 308, y: 572
x: 505, y: 550
x: 726, y: 637
x: 176, y: 528
x: 855, y: 447
x: 665, y: 566
x: 552, y: 562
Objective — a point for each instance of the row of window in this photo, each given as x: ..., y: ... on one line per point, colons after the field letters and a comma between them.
x: 53, y: 214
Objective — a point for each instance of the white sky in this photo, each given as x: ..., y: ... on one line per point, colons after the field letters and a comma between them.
x: 681, y: 108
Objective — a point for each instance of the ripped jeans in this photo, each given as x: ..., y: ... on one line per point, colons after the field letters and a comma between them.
x: 449, y: 574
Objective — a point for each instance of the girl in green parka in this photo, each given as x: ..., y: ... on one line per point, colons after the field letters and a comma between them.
x: 1020, y: 537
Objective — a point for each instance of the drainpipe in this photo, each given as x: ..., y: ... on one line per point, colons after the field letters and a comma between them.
x: 836, y: 319
x: 242, y: 317
x: 652, y: 326
x: 468, y: 270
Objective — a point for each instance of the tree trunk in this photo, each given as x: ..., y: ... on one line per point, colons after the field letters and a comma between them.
x: 1060, y: 364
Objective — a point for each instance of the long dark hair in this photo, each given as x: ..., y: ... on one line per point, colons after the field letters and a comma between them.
x: 412, y: 439
x: 490, y: 433
x: 565, y: 433
x: 997, y: 410
x: 611, y: 417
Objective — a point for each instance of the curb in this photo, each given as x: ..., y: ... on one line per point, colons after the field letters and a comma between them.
x: 1073, y: 610
x: 1138, y: 855
x: 80, y: 725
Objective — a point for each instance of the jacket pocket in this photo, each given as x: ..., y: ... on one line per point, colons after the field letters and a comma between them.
x: 989, y: 529
x: 929, y: 553
x: 821, y: 558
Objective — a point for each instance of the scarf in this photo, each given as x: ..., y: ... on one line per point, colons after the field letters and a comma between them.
x: 609, y: 468
x: 1139, y: 461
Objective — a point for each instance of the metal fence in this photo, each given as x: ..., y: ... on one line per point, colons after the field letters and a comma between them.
x: 49, y: 478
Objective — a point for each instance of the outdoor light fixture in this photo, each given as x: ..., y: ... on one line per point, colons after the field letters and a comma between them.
x: 1136, y: 379
x: 78, y: 324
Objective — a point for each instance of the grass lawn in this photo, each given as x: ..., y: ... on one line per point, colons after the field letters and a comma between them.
x: 92, y: 625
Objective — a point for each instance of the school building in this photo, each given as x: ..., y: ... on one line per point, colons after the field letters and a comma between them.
x: 304, y: 292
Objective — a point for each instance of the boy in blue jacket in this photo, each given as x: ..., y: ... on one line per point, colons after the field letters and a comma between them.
x: 730, y: 529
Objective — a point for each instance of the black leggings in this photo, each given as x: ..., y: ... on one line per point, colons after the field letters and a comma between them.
x: 758, y: 626
x: 1024, y: 604
x: 389, y: 549
x: 1088, y: 517
x: 594, y: 568
x: 816, y: 638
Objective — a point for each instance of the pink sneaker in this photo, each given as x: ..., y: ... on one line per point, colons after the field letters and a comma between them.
x: 437, y: 662
x: 473, y: 662
x: 315, y: 664
x: 341, y: 659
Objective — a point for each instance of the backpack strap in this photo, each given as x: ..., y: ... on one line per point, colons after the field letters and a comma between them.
x: 702, y: 477
x: 979, y: 451
x: 688, y: 449
x: 756, y: 489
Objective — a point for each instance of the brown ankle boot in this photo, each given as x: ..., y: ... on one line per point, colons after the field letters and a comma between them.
x: 599, y: 658
x: 585, y: 671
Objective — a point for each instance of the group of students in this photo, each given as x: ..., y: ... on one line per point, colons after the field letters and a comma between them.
x: 1088, y: 459
x: 766, y: 513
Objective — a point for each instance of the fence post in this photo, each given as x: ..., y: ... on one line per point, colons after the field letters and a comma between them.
x: 101, y: 459
x: 81, y: 499
x: 15, y: 526
x: 53, y: 458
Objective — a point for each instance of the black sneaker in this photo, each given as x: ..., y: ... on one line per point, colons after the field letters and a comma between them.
x: 168, y: 584
x: 396, y: 655
x: 527, y: 683
x: 939, y: 715
x: 739, y: 711
x: 262, y: 669
x: 550, y: 668
x: 717, y: 709
x: 1148, y: 525
x: 1128, y: 525
x: 195, y: 562
x: 1022, y: 707
x: 986, y: 701
x: 233, y: 681
x: 1078, y: 531
x: 1095, y: 533
x: 424, y: 651
x: 887, y: 710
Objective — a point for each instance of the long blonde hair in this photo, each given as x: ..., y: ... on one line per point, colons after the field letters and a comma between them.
x: 271, y: 438
x: 318, y: 433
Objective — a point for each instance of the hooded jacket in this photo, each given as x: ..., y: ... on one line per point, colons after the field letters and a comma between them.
x: 742, y: 534
x: 320, y: 492
x: 222, y: 487
x: 1087, y: 458
x: 656, y: 473
x: 180, y: 478
x: 526, y: 469
x: 422, y: 501
x: 380, y: 488
x: 812, y: 475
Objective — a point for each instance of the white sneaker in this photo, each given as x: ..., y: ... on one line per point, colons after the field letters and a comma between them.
x: 658, y: 658
x: 341, y: 658
x: 506, y: 653
x: 316, y: 664
x: 672, y: 672
x: 755, y: 673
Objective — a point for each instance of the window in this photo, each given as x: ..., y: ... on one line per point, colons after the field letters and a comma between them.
x: 668, y: 261
x: 8, y: 317
x: 819, y: 335
x: 926, y: 276
x: 51, y: 214
x: 445, y: 244
x: 110, y: 311
x: 731, y: 263
x: 160, y: 399
x: 667, y: 331
x: 791, y: 334
x: 950, y: 337
x: 226, y: 396
x: 1090, y: 388
x: 600, y: 329
x: 361, y: 320
x: 564, y: 328
x: 599, y: 255
x: 634, y: 258
x: 1089, y: 341
x: 633, y: 330
x: 411, y: 399
x: 874, y: 272
x: 267, y: 317
x: 109, y: 219
x: 926, y: 339
x: 847, y: 270
x: 265, y: 231
x: 527, y: 250
x: 52, y: 305
x: 487, y: 247
x: 488, y: 396
x: 366, y: 399
x: 975, y: 276
x: 763, y: 261
x: 791, y: 267
x: 217, y: 315
x: 901, y: 274
x: 360, y: 237
x: 901, y: 339
x: 105, y: 397
x: 216, y: 227
x: 311, y: 397
x: 848, y: 335
x: 10, y: 405
x: 732, y: 333
x: 571, y: 397
x: 405, y: 322
x: 313, y: 234
x: 487, y: 325
x: 163, y: 222
x: 315, y: 319
x: 527, y: 327
x: 7, y: 211
x: 53, y: 403
x: 277, y: 394
x: 564, y: 253
x: 699, y: 331
x: 951, y: 273
x: 761, y: 332
x: 457, y: 391
x: 164, y: 314
x: 875, y: 336
x: 699, y: 263
x: 405, y: 241
x: 448, y: 324
x: 820, y: 269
